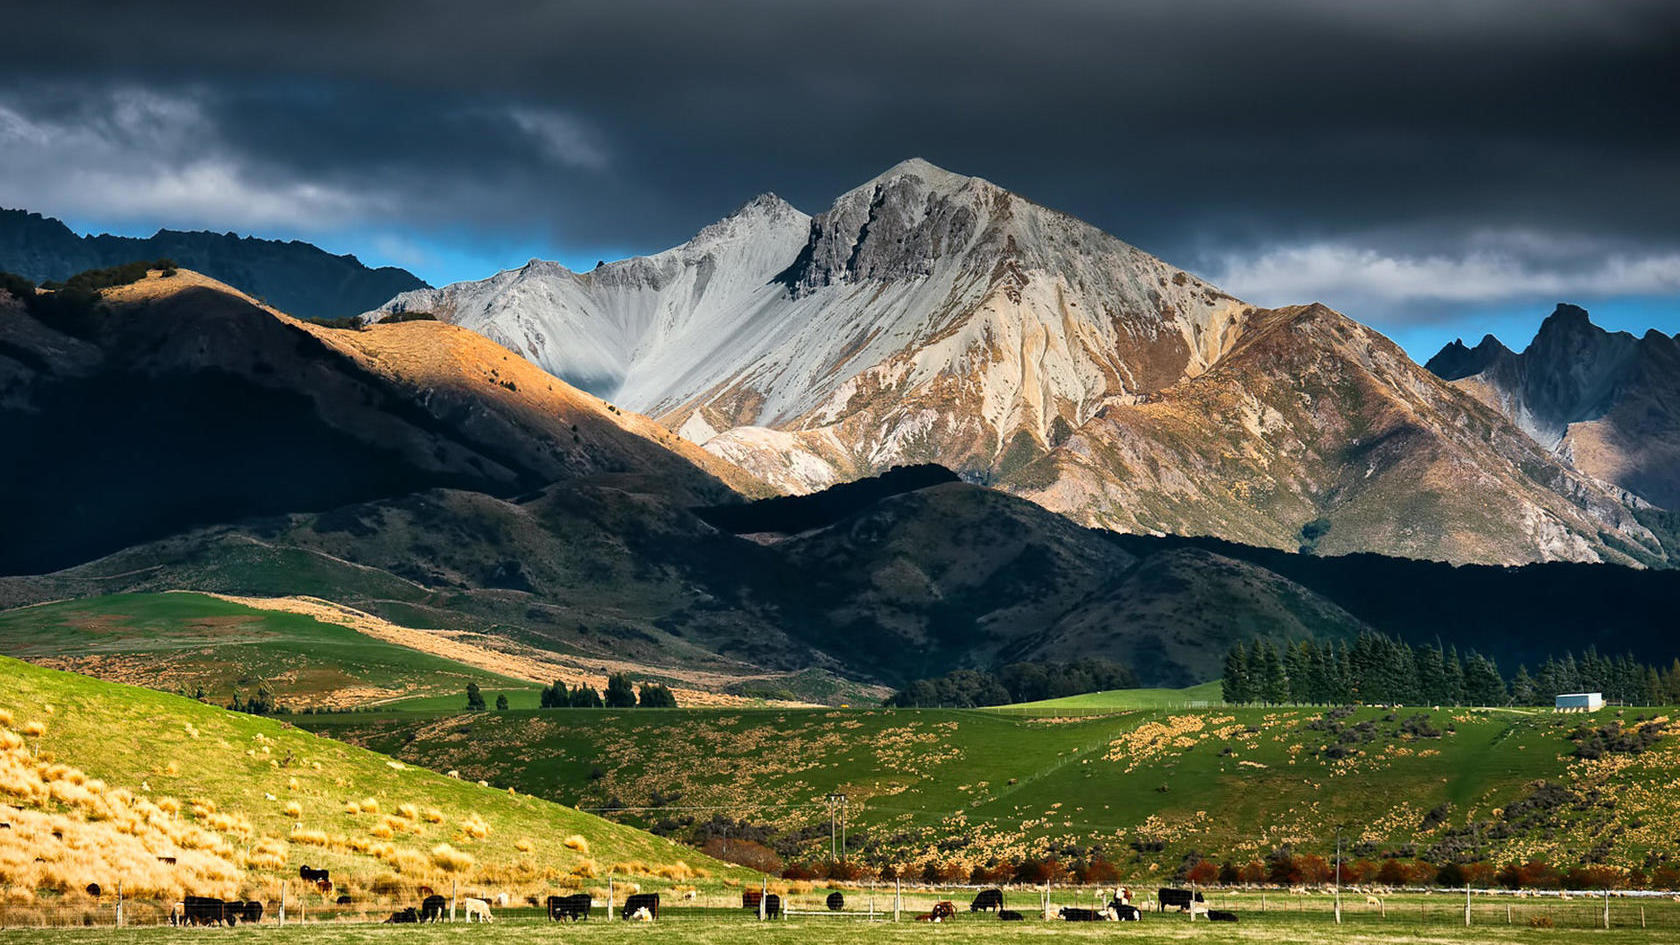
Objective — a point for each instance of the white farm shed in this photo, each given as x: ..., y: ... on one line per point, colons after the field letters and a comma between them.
x: 1580, y: 701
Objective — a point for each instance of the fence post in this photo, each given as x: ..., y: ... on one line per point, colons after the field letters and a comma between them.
x: 283, y: 885
x: 119, y: 903
x: 609, y: 897
x: 898, y: 897
x: 1467, y: 905
x: 1606, y: 908
x: 763, y: 891
x: 455, y: 888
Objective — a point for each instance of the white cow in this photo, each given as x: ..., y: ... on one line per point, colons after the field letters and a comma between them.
x: 477, y: 909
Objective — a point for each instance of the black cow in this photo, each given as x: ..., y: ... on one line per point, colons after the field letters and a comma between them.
x: 205, y: 910
x: 314, y: 876
x: 433, y: 909
x: 989, y: 900
x: 1126, y: 912
x: 836, y: 902
x: 1179, y: 898
x: 772, y: 906
x: 750, y: 898
x: 403, y: 917
x: 343, y: 900
x: 648, y: 901
x: 1075, y: 914
x: 251, y: 913
x: 93, y: 890
x: 1221, y: 915
x: 569, y: 907
x: 1010, y: 915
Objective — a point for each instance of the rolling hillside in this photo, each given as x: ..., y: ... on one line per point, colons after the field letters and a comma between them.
x: 99, y: 782
x: 1144, y: 788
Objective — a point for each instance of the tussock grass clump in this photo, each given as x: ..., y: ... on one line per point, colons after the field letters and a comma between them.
x: 524, y: 845
x: 408, y: 811
x: 475, y: 827
x: 293, y: 810
x: 451, y: 860
x: 432, y: 815
x: 577, y: 842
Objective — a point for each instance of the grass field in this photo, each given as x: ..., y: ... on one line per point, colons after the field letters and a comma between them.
x: 1413, y: 920
x: 186, y: 642
x: 99, y: 780
x: 1200, y: 696
x: 1147, y: 787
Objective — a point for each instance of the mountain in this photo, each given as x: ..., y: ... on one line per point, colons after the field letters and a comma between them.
x: 179, y: 401
x: 293, y: 276
x: 929, y: 317
x: 1607, y: 403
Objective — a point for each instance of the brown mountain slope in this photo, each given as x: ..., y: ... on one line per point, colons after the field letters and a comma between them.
x: 179, y: 401
x: 1315, y: 430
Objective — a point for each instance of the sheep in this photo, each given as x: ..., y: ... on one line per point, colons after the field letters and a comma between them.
x: 690, y: 895
x: 1373, y: 901
x: 1197, y: 908
x: 477, y: 909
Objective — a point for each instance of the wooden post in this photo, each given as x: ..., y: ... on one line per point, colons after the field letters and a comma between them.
x: 1466, y: 905
x: 1507, y: 913
x: 872, y: 900
x: 282, y: 903
x: 1338, y: 906
x: 611, y: 904
x: 455, y: 887
x: 1606, y: 908
x: 764, y: 891
x: 1641, y: 916
x: 898, y: 897
x: 119, y: 903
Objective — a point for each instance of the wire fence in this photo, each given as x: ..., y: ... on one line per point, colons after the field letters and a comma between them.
x: 780, y: 900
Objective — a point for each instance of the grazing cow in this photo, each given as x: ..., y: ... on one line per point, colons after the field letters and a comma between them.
x: 1179, y: 899
x: 750, y: 898
x: 689, y: 895
x: 1010, y: 915
x: 205, y: 910
x: 988, y: 900
x: 569, y: 907
x: 772, y: 906
x: 178, y: 914
x: 477, y: 910
x: 836, y: 902
x: 252, y: 914
x: 93, y: 890
x: 314, y: 876
x: 1221, y: 915
x: 343, y: 900
x: 648, y: 901
x: 403, y: 917
x: 433, y: 908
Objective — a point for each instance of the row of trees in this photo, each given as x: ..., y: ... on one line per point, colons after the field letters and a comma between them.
x: 1381, y: 669
x: 1016, y: 682
x: 621, y: 693
x: 1284, y: 868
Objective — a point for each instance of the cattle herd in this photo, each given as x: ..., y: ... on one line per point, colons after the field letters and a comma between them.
x: 644, y: 907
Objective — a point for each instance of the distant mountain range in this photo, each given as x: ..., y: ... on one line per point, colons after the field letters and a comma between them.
x: 1607, y: 403
x: 927, y: 316
x: 296, y: 277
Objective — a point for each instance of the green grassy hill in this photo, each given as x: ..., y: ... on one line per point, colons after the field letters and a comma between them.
x: 99, y: 780
x: 1147, y: 787
x: 1198, y: 696
x: 187, y: 642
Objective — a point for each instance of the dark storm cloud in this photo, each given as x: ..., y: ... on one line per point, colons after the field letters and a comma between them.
x: 1215, y: 134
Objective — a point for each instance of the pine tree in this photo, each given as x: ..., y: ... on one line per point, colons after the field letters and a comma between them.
x: 501, y: 703
x: 1431, y: 674
x: 585, y: 697
x: 1277, y: 681
x: 1522, y: 688
x: 657, y: 696
x: 1297, y: 666
x: 475, y: 699
x: 621, y: 692
x: 1234, y: 685
x: 1452, y: 678
x: 1482, y: 683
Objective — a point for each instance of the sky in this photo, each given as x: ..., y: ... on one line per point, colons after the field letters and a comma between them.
x: 1435, y: 169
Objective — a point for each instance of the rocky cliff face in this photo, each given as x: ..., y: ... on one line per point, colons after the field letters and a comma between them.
x: 931, y: 317
x: 1606, y: 403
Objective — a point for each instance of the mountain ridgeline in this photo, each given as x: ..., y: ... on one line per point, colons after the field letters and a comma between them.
x: 294, y: 276
x: 930, y: 317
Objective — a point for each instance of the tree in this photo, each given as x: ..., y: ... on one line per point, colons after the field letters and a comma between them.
x: 1277, y: 681
x: 555, y: 696
x: 585, y: 697
x: 475, y: 699
x: 1522, y: 688
x: 501, y: 703
x: 1235, y: 684
x: 657, y: 696
x: 621, y: 692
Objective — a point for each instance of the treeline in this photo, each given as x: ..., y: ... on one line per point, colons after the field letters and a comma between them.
x: 1016, y: 682
x: 1381, y: 669
x: 621, y: 693
x: 72, y: 305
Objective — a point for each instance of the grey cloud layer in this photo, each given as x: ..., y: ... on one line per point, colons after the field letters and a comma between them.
x: 1205, y: 132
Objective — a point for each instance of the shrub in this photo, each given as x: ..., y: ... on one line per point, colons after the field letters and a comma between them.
x: 451, y: 860
x: 577, y: 842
